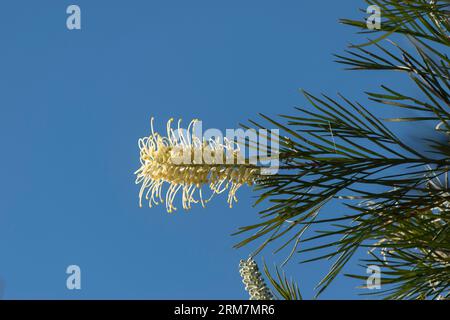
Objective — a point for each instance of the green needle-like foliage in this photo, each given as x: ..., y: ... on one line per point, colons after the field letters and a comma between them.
x: 395, y: 197
x: 288, y: 290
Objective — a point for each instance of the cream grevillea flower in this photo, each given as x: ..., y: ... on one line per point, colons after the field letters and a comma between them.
x: 185, y: 164
x: 253, y: 281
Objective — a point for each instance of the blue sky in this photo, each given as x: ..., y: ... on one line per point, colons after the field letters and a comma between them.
x: 74, y: 103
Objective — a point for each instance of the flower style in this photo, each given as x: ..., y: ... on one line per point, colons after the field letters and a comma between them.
x: 186, y: 163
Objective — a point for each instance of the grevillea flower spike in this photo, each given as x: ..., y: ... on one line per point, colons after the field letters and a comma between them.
x: 187, y: 164
x: 253, y: 281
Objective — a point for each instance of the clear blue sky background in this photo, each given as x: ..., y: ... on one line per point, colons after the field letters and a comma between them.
x: 74, y: 103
